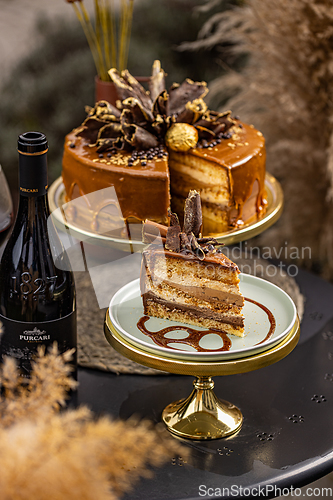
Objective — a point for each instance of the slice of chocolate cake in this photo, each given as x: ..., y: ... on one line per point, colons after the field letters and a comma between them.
x: 187, y: 278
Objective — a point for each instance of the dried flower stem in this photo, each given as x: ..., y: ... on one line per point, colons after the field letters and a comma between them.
x: 106, y: 39
x: 126, y: 18
x: 108, y: 43
x: 90, y: 35
x: 112, y: 30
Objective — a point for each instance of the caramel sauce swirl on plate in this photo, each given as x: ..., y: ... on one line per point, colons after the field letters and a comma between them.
x: 194, y: 336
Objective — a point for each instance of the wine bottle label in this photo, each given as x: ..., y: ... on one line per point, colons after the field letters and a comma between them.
x: 20, y: 340
x: 33, y: 175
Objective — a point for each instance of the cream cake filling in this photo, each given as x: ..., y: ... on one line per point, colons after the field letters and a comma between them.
x: 194, y: 311
x: 201, y: 171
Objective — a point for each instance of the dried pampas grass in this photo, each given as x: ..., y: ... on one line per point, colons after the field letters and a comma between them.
x: 42, y: 394
x: 50, y: 455
x: 286, y: 90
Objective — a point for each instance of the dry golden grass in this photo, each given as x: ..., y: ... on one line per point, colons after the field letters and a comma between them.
x: 286, y: 90
x: 50, y: 455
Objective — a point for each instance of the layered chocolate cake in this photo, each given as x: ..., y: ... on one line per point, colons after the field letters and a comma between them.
x: 157, y: 145
x: 187, y: 278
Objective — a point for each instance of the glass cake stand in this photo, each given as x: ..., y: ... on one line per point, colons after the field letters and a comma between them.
x: 129, y: 236
x: 202, y: 416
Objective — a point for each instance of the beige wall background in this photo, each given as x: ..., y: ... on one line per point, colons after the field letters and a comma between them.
x: 17, y: 21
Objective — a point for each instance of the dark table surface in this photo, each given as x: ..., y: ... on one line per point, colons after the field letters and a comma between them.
x: 287, y: 435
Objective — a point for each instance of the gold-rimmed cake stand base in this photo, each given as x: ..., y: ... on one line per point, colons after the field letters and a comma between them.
x: 202, y: 416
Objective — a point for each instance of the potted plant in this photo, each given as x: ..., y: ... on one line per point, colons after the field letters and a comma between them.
x: 108, y: 39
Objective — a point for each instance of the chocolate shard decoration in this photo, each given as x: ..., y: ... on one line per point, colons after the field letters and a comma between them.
x: 192, y: 111
x: 138, y: 90
x: 185, y: 116
x: 196, y: 247
x: 105, y: 110
x: 160, y: 126
x: 140, y: 114
x: 174, y: 221
x: 193, y: 214
x: 205, y: 133
x: 143, y: 118
x: 188, y: 91
x: 208, y: 241
x: 110, y: 131
x: 124, y: 90
x: 214, y: 122
x: 157, y: 81
x: 173, y: 233
x: 172, y: 242
x: 185, y: 242
x: 135, y: 135
x: 90, y: 129
x: 160, y: 104
x: 106, y: 144
x: 139, y: 137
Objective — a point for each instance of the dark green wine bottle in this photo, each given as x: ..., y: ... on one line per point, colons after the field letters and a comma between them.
x: 37, y: 293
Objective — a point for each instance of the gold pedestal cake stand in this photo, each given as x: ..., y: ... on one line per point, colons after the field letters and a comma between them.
x: 202, y: 415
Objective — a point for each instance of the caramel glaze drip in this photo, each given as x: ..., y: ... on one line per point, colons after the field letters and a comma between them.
x: 83, y: 172
x: 195, y: 336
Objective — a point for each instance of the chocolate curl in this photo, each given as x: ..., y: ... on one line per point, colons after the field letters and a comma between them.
x: 160, y: 126
x: 140, y: 114
x: 90, y: 128
x: 173, y: 233
x: 138, y: 90
x: 157, y: 81
x: 185, y: 242
x: 110, y: 131
x: 214, y: 122
x: 196, y: 247
x: 128, y: 86
x: 152, y: 230
x: 137, y: 137
x: 107, y: 144
x: 180, y: 95
x: 102, y: 115
x: 204, y: 133
x: 172, y: 242
x: 208, y: 241
x: 105, y: 111
x: 124, y: 90
x: 160, y: 104
x: 193, y: 214
x: 192, y: 112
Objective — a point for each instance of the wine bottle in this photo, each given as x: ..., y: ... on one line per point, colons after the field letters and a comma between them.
x: 37, y: 293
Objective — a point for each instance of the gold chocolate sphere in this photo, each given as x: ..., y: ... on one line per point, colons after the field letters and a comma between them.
x: 181, y: 137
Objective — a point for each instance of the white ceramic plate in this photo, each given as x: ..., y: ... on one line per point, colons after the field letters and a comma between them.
x: 126, y: 309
